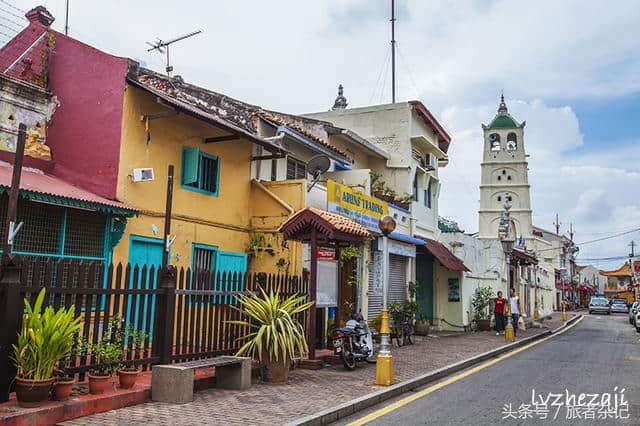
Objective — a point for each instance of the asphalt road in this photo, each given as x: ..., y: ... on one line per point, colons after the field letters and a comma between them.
x: 595, y: 356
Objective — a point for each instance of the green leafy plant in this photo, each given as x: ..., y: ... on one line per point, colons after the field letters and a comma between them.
x: 274, y: 334
x: 481, y: 303
x: 115, y: 342
x: 258, y: 245
x: 348, y: 253
x: 376, y: 322
x: 44, y: 340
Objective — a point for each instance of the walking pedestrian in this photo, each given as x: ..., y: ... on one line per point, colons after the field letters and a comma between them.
x: 514, y: 302
x: 498, y: 311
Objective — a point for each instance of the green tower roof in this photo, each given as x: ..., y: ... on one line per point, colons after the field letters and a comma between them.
x: 503, y: 120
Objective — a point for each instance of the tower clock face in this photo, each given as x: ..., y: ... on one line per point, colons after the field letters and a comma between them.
x: 511, y: 145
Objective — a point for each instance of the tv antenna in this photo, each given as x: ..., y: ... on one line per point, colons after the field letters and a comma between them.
x: 163, y: 47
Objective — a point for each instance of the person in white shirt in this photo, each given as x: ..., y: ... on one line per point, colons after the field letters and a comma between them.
x: 514, y: 303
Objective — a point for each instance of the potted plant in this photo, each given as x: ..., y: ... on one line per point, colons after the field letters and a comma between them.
x: 45, y: 339
x: 108, y: 352
x: 481, y: 304
x: 274, y: 336
x: 128, y: 375
x: 422, y: 325
x: 63, y: 384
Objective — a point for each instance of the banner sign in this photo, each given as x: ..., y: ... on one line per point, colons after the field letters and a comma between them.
x: 360, y: 208
x: 636, y: 268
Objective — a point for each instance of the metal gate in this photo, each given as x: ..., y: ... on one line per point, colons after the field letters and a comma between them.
x: 374, y: 302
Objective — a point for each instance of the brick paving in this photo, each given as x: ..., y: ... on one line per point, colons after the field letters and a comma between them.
x: 308, y: 391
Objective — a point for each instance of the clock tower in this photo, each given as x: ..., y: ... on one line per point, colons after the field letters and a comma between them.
x: 504, y: 176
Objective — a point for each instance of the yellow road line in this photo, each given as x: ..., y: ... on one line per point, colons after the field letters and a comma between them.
x: 402, y: 402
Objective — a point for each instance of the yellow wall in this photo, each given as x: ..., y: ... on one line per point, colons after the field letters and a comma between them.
x: 223, y: 221
x: 450, y: 311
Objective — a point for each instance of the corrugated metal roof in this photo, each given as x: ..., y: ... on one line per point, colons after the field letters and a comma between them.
x: 35, y: 184
x: 444, y: 255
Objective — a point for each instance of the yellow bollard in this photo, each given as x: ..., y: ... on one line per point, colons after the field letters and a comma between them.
x: 384, y: 361
x: 564, y: 313
x: 509, y: 335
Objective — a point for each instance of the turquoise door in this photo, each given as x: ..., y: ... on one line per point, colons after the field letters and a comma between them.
x: 424, y: 290
x: 144, y: 251
x: 231, y: 262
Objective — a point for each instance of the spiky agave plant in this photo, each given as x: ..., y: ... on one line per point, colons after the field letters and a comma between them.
x: 44, y: 340
x: 274, y: 333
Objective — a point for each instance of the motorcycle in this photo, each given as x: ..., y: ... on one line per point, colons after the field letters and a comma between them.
x: 354, y: 342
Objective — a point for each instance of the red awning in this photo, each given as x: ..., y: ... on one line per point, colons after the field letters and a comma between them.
x: 444, y: 255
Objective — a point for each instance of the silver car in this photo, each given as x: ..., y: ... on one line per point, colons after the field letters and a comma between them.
x: 599, y: 305
x: 619, y: 306
x: 632, y: 313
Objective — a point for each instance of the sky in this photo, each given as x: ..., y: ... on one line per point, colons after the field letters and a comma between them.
x: 570, y: 69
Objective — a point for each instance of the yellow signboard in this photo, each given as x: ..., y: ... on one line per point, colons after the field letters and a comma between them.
x: 360, y: 208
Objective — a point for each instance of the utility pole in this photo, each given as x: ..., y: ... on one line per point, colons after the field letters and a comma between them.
x: 571, y: 233
x: 632, y: 245
x: 393, y: 51
x: 10, y: 227
x: 167, y: 217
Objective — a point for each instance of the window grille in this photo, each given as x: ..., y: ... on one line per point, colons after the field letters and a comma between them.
x: 84, y: 233
x: 296, y: 169
x: 203, y: 258
x: 41, y: 231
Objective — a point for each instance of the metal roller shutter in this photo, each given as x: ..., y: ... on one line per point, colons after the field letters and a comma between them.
x: 397, y: 278
x: 397, y: 283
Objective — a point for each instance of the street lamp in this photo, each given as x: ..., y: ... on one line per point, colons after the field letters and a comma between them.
x: 507, y: 241
x: 384, y: 361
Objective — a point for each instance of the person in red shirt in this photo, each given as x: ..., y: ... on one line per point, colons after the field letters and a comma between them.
x: 498, y: 311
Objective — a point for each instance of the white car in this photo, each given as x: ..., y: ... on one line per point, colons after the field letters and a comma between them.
x: 637, y: 320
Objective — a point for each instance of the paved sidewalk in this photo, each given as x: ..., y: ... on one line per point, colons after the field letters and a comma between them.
x: 308, y: 391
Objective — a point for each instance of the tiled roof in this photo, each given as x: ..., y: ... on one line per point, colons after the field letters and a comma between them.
x: 37, y: 185
x: 326, y: 222
x: 623, y: 271
x: 444, y: 255
x: 281, y: 120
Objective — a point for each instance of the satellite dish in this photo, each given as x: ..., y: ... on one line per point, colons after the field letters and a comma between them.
x: 317, y: 166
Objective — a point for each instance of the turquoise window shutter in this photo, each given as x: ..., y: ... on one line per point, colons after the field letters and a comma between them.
x: 229, y: 263
x: 190, y: 159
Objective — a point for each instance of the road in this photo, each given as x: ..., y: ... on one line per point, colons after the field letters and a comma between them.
x: 593, y: 357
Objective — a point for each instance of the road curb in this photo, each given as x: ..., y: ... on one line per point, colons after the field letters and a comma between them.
x: 346, y: 409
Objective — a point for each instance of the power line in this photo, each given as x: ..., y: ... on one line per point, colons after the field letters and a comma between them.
x: 598, y: 239
x: 13, y: 7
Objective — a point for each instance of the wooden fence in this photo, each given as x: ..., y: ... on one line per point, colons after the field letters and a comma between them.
x: 184, y: 313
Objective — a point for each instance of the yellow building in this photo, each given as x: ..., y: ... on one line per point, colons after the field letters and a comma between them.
x: 221, y: 219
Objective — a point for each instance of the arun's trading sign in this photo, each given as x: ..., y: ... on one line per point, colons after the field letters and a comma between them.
x: 359, y: 207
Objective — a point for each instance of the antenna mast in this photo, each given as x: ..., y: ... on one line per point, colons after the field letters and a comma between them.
x: 393, y: 51
x: 163, y: 47
x: 66, y: 19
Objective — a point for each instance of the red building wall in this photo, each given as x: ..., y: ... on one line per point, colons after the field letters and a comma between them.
x: 85, y: 130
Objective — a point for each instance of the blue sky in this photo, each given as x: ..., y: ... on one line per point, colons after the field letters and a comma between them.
x: 570, y: 68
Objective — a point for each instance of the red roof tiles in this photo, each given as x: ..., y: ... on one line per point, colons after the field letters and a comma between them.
x: 327, y: 223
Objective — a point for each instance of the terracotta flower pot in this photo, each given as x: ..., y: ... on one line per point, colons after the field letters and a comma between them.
x: 32, y: 393
x: 127, y: 378
x: 62, y: 389
x: 277, y: 371
x: 99, y: 384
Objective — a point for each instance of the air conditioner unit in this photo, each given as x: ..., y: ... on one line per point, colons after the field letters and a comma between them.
x: 143, y: 175
x: 431, y: 162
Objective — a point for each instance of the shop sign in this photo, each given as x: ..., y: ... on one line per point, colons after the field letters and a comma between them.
x: 360, y: 208
x: 326, y: 253
x: 636, y: 268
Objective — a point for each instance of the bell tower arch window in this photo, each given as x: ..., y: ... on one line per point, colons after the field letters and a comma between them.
x: 512, y: 142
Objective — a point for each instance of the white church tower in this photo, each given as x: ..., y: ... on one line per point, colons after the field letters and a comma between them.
x: 504, y: 176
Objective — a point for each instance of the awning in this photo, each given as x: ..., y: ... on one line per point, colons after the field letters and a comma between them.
x: 329, y: 227
x: 406, y: 238
x: 444, y: 256
x: 40, y: 187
